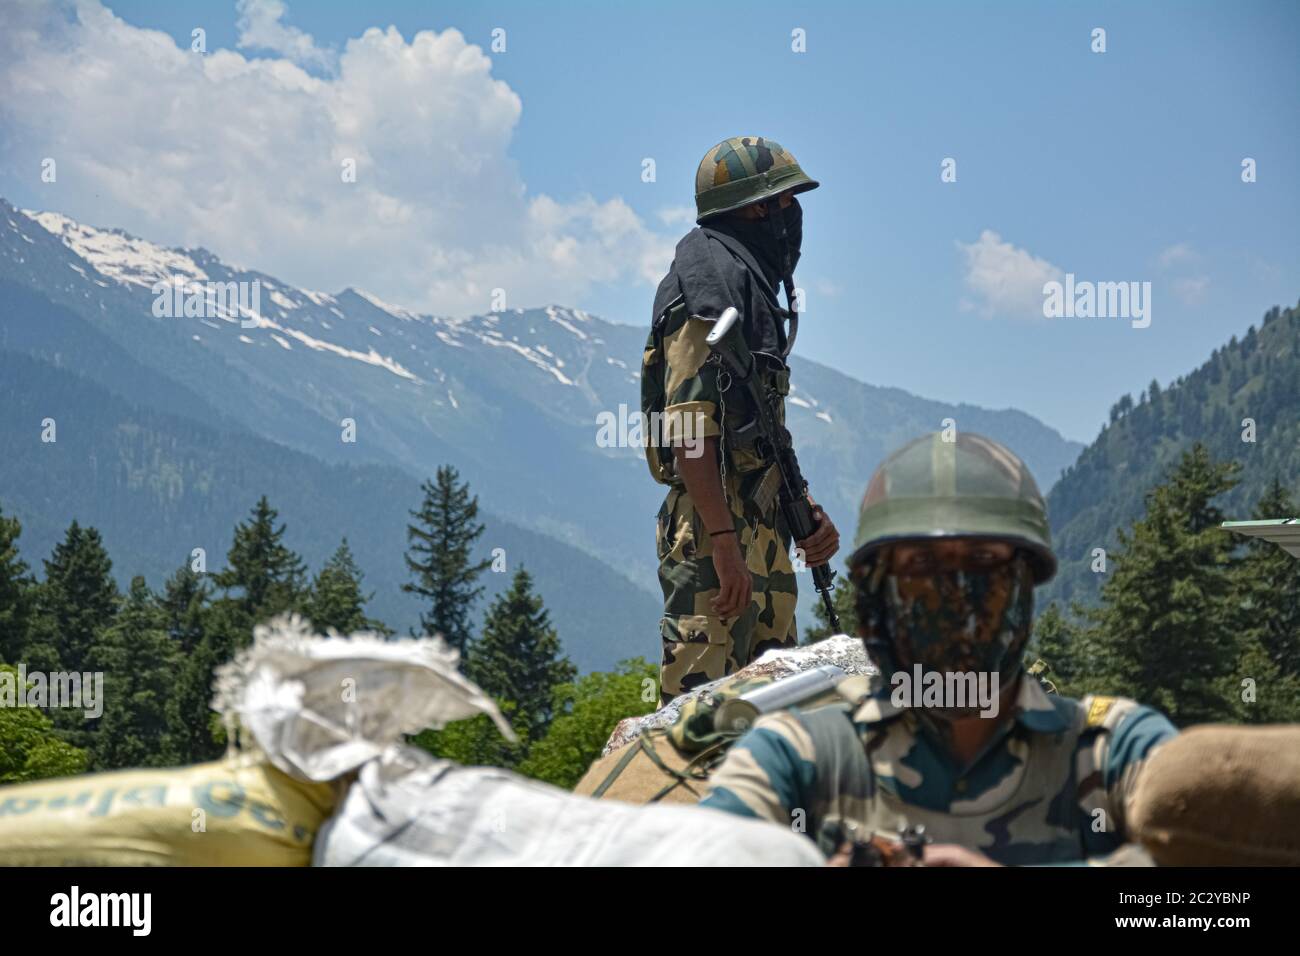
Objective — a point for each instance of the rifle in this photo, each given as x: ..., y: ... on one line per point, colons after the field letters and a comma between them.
x: 772, y: 441
x: 908, y: 849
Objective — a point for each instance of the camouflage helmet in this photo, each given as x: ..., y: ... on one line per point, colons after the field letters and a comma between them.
x: 968, y: 487
x: 744, y: 170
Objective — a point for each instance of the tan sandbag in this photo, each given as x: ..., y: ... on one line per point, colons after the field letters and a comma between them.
x: 1220, y: 795
x: 212, y: 814
x: 639, y: 778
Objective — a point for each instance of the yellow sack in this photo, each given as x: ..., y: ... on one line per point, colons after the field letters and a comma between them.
x: 211, y: 814
x: 1219, y: 795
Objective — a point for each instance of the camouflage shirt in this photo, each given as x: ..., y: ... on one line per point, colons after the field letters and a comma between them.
x: 1050, y: 787
x: 682, y: 400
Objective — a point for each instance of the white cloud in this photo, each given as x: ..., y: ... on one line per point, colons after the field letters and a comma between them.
x: 1180, y: 252
x: 260, y: 29
x: 244, y: 156
x: 1191, y: 291
x: 677, y: 216
x: 1005, y: 280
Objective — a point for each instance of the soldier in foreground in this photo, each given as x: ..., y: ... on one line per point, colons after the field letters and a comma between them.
x: 952, y: 539
x: 723, y: 549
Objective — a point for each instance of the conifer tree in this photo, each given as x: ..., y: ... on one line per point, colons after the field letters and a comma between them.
x: 16, y: 593
x: 1058, y: 642
x: 183, y: 601
x: 77, y: 599
x: 518, y: 659
x: 439, y: 557
x: 262, y: 578
x: 1266, y: 582
x: 190, y: 718
x: 137, y: 659
x: 336, y: 600
x: 1164, y: 631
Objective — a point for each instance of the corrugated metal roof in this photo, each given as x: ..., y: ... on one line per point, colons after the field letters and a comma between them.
x: 1284, y: 532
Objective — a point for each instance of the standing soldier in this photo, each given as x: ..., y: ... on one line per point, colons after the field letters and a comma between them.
x: 723, y: 549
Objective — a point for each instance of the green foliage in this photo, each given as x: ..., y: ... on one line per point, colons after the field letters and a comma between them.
x: 30, y: 749
x: 266, y: 575
x: 137, y: 659
x: 843, y: 598
x: 185, y: 594
x: 440, y: 544
x: 1257, y: 378
x: 476, y: 742
x: 1057, y: 641
x: 336, y: 601
x: 518, y: 657
x: 587, y: 711
x: 1160, y: 632
x: 16, y: 592
x: 1189, y: 621
x: 1266, y: 582
x: 190, y: 736
x: 77, y: 599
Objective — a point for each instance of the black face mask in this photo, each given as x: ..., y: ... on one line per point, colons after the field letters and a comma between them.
x: 760, y: 237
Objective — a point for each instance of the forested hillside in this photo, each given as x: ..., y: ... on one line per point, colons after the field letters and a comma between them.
x: 158, y: 486
x: 1243, y: 405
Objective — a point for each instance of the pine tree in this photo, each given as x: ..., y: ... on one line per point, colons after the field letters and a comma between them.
x: 77, y: 599
x: 137, y: 659
x: 1058, y: 643
x: 267, y: 574
x: 16, y: 593
x: 518, y: 659
x: 190, y: 718
x: 336, y: 601
x: 183, y: 601
x: 440, y: 546
x: 1266, y: 582
x: 1164, y: 631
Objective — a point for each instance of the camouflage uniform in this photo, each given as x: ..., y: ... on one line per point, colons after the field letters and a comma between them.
x: 1033, y: 797
x: 699, y: 646
x: 681, y: 384
x: 1053, y: 783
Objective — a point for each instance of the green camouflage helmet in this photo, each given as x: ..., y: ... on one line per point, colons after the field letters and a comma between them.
x: 744, y: 170
x: 970, y: 487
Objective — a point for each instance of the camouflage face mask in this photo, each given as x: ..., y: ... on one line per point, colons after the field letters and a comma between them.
x: 961, y: 621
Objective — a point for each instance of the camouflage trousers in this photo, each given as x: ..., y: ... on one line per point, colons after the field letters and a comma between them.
x: 698, y: 645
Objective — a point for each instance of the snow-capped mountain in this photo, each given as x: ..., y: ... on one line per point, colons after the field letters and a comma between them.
x: 511, y: 398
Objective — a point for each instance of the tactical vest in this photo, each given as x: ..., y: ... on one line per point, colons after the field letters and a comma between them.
x: 743, y: 457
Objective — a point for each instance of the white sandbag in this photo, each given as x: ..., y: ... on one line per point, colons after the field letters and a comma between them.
x: 408, y: 810
x: 320, y: 707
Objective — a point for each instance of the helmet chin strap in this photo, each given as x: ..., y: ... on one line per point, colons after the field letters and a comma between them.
x: 776, y: 221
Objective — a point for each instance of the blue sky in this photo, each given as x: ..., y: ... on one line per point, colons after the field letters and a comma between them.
x: 1118, y: 166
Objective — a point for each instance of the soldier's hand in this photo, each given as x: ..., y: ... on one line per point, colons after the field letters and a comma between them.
x: 950, y: 854
x: 820, y: 546
x: 735, y: 585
